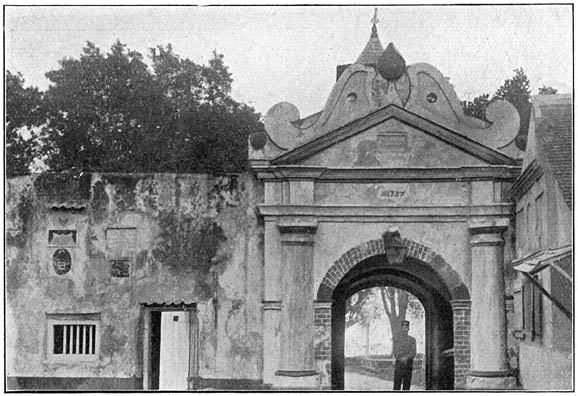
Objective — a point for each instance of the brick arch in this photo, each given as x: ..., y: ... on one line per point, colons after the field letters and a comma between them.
x: 355, y: 255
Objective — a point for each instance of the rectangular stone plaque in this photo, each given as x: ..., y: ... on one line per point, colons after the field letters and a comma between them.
x: 61, y: 238
x: 393, y: 192
x: 120, y: 242
x: 120, y: 268
x: 392, y: 141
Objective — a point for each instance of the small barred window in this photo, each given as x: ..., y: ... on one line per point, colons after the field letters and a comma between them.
x: 73, y: 337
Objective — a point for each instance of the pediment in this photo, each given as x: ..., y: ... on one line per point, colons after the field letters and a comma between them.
x: 392, y: 137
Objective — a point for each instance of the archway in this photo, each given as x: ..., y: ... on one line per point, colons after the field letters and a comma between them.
x: 425, y: 275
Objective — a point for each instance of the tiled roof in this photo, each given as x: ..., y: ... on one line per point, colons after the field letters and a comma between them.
x: 372, y: 51
x: 554, y: 128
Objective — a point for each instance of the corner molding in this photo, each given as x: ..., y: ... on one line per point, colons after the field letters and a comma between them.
x: 526, y: 180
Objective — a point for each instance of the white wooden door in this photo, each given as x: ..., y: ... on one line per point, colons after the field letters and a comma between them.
x: 174, y: 356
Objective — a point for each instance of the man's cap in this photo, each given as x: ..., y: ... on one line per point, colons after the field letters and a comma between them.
x: 405, y: 323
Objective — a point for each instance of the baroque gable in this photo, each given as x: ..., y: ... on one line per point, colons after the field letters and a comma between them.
x: 379, y: 107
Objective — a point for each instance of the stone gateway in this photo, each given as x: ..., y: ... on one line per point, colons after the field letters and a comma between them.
x: 391, y: 148
x: 191, y: 282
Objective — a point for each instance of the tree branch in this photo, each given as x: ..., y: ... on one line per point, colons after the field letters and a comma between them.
x: 391, y: 292
x: 382, y: 292
x: 403, y: 300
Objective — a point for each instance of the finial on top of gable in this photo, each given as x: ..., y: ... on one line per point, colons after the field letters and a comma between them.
x: 374, y: 21
x: 373, y: 50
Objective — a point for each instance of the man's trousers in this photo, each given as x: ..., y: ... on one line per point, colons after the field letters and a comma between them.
x: 402, y: 374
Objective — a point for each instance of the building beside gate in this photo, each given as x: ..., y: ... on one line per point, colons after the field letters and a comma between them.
x: 543, y: 289
x: 174, y: 282
x: 139, y: 281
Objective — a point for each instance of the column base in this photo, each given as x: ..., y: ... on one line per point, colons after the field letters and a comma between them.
x: 287, y: 380
x: 491, y: 380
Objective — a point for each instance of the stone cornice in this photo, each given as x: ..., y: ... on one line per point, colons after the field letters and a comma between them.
x: 453, y: 138
x: 526, y: 180
x: 379, y: 213
x: 356, y: 175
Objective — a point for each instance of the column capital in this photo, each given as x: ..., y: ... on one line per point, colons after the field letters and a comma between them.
x: 461, y: 304
x: 488, y: 226
x: 296, y: 226
x: 297, y: 232
x: 487, y: 239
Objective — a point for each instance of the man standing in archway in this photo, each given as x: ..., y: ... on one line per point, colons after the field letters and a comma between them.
x: 404, y: 351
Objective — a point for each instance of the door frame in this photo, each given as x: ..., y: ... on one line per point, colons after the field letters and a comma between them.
x: 193, y: 339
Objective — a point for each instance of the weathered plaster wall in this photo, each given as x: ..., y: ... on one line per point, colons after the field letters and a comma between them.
x: 198, y: 240
x: 544, y: 369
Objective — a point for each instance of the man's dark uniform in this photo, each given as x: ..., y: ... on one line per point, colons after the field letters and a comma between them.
x: 404, y: 352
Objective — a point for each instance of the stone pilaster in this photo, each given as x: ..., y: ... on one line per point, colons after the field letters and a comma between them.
x: 488, y: 364
x: 296, y: 350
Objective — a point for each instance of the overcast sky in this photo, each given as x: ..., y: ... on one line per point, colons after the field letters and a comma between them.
x: 290, y: 53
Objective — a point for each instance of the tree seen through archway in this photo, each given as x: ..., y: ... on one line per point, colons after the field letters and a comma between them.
x: 373, y: 317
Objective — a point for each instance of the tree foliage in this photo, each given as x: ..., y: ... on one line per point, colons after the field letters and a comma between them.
x: 357, y: 308
x: 516, y: 90
x: 111, y: 112
x: 477, y: 107
x: 23, y: 113
x: 547, y: 90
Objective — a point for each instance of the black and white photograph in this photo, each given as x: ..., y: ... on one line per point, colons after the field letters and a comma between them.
x: 288, y: 197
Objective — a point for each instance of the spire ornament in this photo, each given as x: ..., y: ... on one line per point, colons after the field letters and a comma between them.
x: 373, y: 49
x: 374, y: 21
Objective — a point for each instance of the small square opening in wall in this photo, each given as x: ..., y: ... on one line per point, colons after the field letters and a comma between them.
x: 73, y: 337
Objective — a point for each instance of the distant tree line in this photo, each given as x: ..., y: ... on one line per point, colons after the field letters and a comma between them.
x: 111, y: 112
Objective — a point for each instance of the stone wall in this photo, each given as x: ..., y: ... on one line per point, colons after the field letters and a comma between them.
x: 190, y: 239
